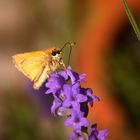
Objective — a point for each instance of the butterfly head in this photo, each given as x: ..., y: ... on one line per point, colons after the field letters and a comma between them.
x: 56, y: 54
x: 56, y: 62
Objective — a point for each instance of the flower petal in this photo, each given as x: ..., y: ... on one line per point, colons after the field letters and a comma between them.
x: 82, y: 77
x: 84, y: 122
x: 103, y: 134
x: 81, y: 98
x: 63, y: 74
x: 69, y: 121
x: 48, y: 91
x: 56, y: 104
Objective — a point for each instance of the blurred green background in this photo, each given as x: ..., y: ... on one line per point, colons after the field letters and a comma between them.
x: 29, y: 25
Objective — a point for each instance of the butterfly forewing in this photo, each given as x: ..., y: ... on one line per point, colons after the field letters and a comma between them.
x: 31, y: 64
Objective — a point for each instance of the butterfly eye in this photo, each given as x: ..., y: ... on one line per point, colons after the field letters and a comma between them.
x: 53, y: 53
x: 58, y: 52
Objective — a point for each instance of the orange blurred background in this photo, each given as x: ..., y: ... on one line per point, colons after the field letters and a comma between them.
x: 107, y: 50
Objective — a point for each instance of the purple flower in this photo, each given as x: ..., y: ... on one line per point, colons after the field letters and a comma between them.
x: 95, y: 135
x: 91, y: 97
x: 56, y: 105
x: 75, y: 76
x: 63, y: 74
x: 77, y: 134
x: 73, y: 96
x: 77, y: 120
x: 71, y: 100
x: 102, y: 135
x: 55, y: 83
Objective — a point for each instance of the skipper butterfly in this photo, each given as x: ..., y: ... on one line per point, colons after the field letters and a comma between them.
x: 38, y: 65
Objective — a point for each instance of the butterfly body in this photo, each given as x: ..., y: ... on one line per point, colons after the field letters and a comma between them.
x: 38, y: 65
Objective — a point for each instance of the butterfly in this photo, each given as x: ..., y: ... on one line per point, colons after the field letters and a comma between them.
x: 38, y: 65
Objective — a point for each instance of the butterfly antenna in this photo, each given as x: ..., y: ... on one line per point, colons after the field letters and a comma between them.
x: 68, y: 44
x: 69, y: 55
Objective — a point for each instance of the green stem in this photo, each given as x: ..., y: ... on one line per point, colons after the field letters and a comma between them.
x: 131, y: 19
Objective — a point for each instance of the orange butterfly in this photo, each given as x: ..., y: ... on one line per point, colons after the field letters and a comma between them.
x: 38, y: 65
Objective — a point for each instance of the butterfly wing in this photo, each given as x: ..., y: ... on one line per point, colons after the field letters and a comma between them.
x: 34, y: 65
